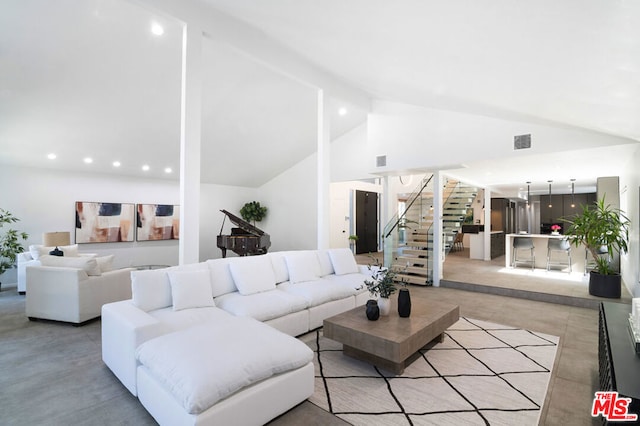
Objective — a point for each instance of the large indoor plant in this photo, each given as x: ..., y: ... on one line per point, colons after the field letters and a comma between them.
x: 604, y: 231
x: 10, y: 242
x: 253, y: 212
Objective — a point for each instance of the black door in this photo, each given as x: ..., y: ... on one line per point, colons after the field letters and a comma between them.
x: 366, y: 222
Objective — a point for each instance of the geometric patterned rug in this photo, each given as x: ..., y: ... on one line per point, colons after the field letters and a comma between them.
x: 482, y: 374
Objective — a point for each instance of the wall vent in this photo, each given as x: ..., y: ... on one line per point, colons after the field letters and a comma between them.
x: 381, y: 161
x: 522, y: 142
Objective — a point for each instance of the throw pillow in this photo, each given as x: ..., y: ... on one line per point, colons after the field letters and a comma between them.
x: 37, y: 250
x: 221, y: 279
x: 69, y: 251
x: 151, y: 289
x: 253, y: 275
x: 190, y: 289
x: 303, y: 266
x: 343, y: 261
x: 87, y: 264
x: 105, y: 263
x: 326, y: 267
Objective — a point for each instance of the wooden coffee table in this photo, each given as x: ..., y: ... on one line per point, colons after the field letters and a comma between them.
x: 391, y: 342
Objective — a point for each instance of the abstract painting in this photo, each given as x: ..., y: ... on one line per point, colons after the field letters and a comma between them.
x: 104, y: 222
x: 157, y: 222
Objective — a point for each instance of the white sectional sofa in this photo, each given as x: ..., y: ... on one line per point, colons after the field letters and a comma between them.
x: 191, y: 335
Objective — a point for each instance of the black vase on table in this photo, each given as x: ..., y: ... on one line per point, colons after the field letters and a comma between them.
x: 373, y: 311
x: 404, y: 303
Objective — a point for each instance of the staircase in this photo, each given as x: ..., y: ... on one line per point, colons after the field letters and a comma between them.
x: 413, y: 255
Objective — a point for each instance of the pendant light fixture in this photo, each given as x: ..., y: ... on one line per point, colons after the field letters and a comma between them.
x: 528, y: 191
x: 550, y: 205
x: 573, y: 193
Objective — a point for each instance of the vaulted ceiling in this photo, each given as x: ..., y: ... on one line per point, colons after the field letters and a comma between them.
x: 88, y: 79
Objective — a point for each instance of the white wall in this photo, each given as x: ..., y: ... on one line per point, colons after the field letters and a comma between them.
x: 417, y: 137
x: 291, y: 198
x: 630, y: 205
x: 44, y: 200
x: 347, y: 160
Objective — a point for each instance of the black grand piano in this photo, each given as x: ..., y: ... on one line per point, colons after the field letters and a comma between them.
x: 246, y: 240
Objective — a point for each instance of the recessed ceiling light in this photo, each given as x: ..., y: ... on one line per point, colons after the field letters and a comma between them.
x: 88, y: 160
x: 342, y: 111
x: 51, y: 156
x: 168, y: 170
x: 116, y: 164
x: 145, y: 167
x: 157, y: 29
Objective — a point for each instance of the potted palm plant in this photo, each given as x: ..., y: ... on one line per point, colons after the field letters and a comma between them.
x: 10, y: 242
x: 604, y: 230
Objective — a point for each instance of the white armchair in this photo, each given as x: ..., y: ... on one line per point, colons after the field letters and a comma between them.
x: 31, y: 258
x: 70, y: 295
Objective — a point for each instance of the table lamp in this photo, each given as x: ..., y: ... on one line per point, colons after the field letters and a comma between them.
x: 55, y: 239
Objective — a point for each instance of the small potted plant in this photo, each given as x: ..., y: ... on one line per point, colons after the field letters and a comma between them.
x: 382, y: 285
x: 353, y: 239
x: 604, y: 230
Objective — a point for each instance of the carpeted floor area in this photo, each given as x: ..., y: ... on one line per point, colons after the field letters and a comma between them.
x: 483, y: 373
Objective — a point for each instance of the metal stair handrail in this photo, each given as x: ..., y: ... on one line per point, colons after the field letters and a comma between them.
x: 415, y: 196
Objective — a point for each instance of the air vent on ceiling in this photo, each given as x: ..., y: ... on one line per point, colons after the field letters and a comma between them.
x: 522, y: 142
x: 381, y: 160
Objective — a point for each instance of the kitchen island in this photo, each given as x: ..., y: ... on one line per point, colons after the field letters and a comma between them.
x: 540, y: 243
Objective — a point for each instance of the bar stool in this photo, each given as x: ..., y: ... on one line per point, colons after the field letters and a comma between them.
x: 523, y: 243
x: 562, y: 245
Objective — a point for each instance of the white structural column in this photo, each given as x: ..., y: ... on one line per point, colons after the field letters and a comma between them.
x: 437, y: 228
x: 487, y: 224
x: 324, y: 171
x: 190, y: 141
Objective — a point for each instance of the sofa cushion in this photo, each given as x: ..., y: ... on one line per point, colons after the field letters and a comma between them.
x: 351, y: 281
x: 105, y: 263
x: 151, y: 289
x: 207, y: 363
x: 326, y: 267
x: 261, y: 306
x: 87, y: 264
x: 190, y: 289
x: 343, y: 261
x: 317, y: 292
x: 179, y: 320
x: 221, y: 279
x: 38, y: 250
x: 303, y: 266
x: 253, y: 275
x: 279, y: 264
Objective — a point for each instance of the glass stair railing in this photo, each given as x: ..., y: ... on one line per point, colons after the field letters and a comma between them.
x: 408, y: 244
